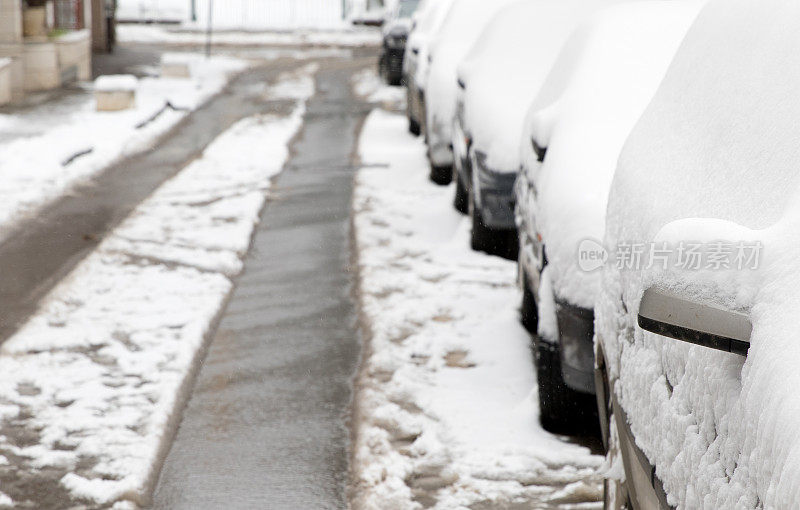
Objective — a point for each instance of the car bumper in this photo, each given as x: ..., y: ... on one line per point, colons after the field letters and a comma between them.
x: 495, y: 196
x: 576, y: 332
x: 394, y: 61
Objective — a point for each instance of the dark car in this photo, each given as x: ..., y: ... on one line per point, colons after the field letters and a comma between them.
x: 395, y: 34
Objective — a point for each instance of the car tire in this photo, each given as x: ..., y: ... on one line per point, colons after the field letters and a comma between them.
x: 441, y: 175
x: 503, y: 243
x: 562, y: 409
x: 615, y: 492
x: 413, y: 126
x: 481, y: 236
x: 383, y: 68
x: 529, y: 314
x: 461, y: 200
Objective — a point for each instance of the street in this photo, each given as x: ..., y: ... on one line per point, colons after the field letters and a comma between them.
x: 258, y: 262
x: 399, y: 255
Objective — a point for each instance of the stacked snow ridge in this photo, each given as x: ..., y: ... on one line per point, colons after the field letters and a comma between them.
x: 446, y: 395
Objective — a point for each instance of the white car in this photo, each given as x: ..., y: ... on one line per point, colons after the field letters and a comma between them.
x: 463, y: 24
x: 697, y: 340
x: 607, y: 73
x: 427, y: 19
x: 498, y: 80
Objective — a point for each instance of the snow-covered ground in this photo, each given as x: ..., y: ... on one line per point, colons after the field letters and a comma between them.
x: 446, y: 399
x: 37, y: 145
x: 90, y: 384
x: 370, y: 87
x: 166, y: 34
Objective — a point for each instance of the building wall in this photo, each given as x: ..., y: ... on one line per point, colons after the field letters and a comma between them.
x: 39, y: 64
x: 10, y: 21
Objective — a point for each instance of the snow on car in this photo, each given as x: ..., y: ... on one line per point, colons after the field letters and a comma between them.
x: 606, y: 75
x: 395, y: 34
x: 712, y: 162
x: 429, y: 16
x: 464, y: 23
x: 497, y: 85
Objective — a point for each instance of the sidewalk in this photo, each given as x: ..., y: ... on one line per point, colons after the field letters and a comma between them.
x: 49, y: 148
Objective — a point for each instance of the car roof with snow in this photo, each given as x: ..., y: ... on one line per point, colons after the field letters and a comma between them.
x: 506, y: 67
x: 606, y: 76
x: 464, y: 23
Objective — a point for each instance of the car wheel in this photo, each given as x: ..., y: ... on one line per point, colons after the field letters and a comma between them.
x: 503, y: 243
x: 529, y: 315
x: 461, y: 200
x: 562, y: 409
x: 413, y: 126
x: 383, y: 68
x: 481, y: 236
x: 441, y: 175
x: 615, y: 492
x: 615, y: 495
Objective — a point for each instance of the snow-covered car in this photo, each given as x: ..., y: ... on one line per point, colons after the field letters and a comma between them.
x: 464, y: 23
x: 395, y: 34
x: 697, y: 340
x: 604, y: 78
x: 491, y: 109
x: 425, y: 23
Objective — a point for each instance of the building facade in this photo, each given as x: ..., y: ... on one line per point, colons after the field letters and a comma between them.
x: 43, y: 45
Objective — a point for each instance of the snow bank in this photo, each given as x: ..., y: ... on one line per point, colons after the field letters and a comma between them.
x: 155, y: 34
x: 613, y: 66
x: 463, y: 24
x: 95, y: 376
x: 370, y: 87
x: 447, y: 393
x: 32, y: 169
x: 715, y: 156
x: 501, y: 84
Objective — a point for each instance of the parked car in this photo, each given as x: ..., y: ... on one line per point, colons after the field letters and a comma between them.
x: 426, y: 21
x: 698, y: 351
x: 491, y: 108
x: 464, y: 23
x: 604, y: 78
x: 395, y: 33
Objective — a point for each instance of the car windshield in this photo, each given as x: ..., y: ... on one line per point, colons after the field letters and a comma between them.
x: 407, y: 8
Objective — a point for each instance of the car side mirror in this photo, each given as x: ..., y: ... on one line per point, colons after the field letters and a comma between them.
x: 538, y: 150
x: 673, y: 316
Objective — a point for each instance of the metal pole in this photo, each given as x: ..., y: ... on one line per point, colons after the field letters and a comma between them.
x: 194, y: 10
x: 208, y: 32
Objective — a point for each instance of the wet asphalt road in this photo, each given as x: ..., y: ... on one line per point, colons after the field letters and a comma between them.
x: 266, y: 425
